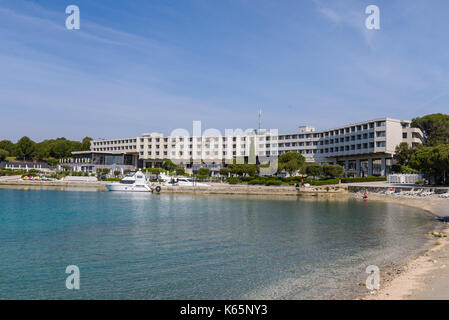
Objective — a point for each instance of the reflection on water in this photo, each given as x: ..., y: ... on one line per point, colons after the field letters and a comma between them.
x: 179, y: 246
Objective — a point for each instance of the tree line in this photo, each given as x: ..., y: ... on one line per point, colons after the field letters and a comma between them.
x: 432, y: 157
x: 50, y: 150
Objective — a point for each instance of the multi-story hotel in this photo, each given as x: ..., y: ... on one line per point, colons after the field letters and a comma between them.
x: 363, y: 149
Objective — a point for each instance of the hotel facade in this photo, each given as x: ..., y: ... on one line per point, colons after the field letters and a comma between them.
x: 363, y: 149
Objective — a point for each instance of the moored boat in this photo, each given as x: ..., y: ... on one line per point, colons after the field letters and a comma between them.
x: 134, y: 183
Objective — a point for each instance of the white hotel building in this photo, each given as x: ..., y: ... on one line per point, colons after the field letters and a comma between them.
x: 363, y: 149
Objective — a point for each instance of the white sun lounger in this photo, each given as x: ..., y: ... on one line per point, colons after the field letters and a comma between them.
x: 445, y: 195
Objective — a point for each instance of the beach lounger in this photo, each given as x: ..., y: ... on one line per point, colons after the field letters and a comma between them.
x: 445, y: 195
x: 427, y: 193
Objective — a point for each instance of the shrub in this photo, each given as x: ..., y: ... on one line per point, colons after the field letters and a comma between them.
x: 233, y: 180
x: 203, y: 171
x: 273, y: 182
x: 180, y: 171
x: 363, y: 179
x: 324, y: 182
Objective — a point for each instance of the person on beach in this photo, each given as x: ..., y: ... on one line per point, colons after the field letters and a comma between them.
x: 365, y: 195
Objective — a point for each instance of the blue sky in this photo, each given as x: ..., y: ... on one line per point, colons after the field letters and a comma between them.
x: 144, y: 66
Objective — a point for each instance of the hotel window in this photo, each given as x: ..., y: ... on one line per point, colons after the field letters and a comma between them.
x: 404, y: 135
x: 157, y: 153
x: 365, y: 136
x: 381, y: 144
x: 359, y: 128
x: 347, y: 130
x: 371, y: 125
x: 149, y: 153
x: 371, y: 144
x: 365, y: 145
x: 165, y: 153
x: 380, y: 124
x: 359, y: 146
x: 365, y: 126
x: 380, y: 134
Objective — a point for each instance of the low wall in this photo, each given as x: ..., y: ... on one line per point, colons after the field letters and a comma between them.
x: 376, y: 189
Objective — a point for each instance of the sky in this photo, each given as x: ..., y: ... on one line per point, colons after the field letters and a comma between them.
x: 135, y: 67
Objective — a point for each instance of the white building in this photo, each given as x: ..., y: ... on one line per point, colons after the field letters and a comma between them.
x: 364, y: 148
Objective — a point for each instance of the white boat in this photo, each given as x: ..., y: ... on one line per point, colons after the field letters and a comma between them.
x: 181, y: 181
x: 135, y: 183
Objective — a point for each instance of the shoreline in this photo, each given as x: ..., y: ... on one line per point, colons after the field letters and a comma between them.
x: 421, y: 276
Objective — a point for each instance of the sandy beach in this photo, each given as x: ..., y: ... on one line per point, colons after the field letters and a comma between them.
x: 427, y: 276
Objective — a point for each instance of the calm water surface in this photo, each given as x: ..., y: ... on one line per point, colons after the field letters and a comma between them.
x: 144, y: 246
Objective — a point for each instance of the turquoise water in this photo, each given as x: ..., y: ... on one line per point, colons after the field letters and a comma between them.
x: 144, y: 246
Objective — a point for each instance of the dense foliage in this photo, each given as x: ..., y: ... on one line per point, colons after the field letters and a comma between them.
x: 432, y: 158
x: 48, y: 150
x: 291, y: 162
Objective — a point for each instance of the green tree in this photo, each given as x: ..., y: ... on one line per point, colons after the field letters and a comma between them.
x: 433, y: 161
x: 435, y: 128
x: 333, y: 171
x: 3, y: 154
x: 291, y: 162
x: 117, y: 173
x: 24, y: 148
x: 314, y: 170
x: 85, y: 144
x: 180, y: 171
x: 169, y: 165
x: 403, y: 153
x: 41, y: 151
x: 8, y: 146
